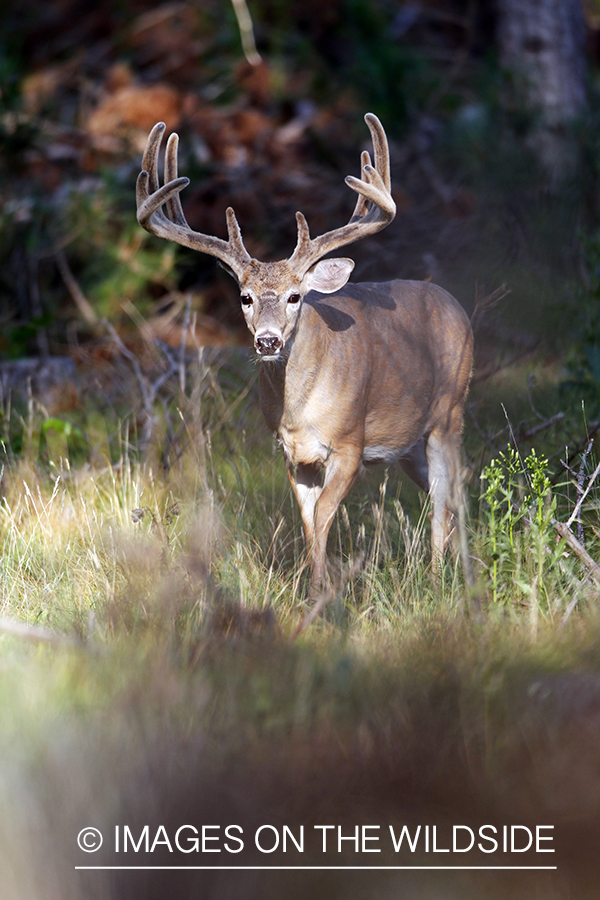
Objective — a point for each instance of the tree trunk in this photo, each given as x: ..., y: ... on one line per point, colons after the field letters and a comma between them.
x: 542, y: 46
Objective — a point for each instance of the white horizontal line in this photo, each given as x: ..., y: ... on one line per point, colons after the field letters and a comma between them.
x: 328, y: 868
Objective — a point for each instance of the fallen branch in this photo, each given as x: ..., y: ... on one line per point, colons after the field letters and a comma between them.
x: 20, y: 629
x: 563, y: 531
x: 579, y: 550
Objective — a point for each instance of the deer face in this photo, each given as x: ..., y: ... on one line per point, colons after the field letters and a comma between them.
x: 272, y: 293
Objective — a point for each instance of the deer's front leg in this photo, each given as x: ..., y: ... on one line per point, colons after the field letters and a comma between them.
x: 307, y: 484
x: 340, y: 471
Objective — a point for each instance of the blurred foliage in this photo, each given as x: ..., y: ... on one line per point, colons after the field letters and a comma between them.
x: 145, y: 514
x: 474, y: 209
x: 119, y: 262
x: 352, y: 47
x: 71, y: 150
x: 582, y: 382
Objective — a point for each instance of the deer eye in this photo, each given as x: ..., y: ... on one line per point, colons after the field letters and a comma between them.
x: 294, y: 298
x: 246, y: 300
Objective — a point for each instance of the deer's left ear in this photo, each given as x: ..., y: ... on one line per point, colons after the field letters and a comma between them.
x: 328, y: 275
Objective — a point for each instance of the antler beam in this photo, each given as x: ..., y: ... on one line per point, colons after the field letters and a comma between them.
x: 374, y: 208
x: 159, y: 209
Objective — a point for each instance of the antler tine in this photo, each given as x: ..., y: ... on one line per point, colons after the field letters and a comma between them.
x: 172, y: 224
x: 361, y: 203
x: 150, y: 157
x: 150, y: 196
x: 380, y: 149
x: 174, y: 207
x: 373, y: 188
x: 374, y: 208
x: 303, y: 233
x: 234, y: 232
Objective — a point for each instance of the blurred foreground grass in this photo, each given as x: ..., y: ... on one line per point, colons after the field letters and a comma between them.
x: 165, y: 686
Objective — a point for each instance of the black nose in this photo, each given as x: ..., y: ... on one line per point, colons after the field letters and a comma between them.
x: 268, y: 344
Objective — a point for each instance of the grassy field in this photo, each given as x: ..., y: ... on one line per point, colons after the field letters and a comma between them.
x: 153, y: 573
x: 157, y: 680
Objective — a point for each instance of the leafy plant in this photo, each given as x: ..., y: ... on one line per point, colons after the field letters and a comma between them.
x: 519, y: 537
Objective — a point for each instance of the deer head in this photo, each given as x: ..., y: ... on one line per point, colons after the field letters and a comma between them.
x: 271, y: 292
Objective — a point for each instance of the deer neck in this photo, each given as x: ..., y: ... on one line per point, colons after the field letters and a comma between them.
x: 286, y: 383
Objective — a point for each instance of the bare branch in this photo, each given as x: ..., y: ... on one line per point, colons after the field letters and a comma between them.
x: 244, y: 20
x: 487, y: 302
x: 541, y: 426
x: 81, y: 301
x: 579, y: 550
x: 582, y: 495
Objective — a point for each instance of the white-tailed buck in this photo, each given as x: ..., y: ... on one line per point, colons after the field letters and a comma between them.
x: 370, y: 373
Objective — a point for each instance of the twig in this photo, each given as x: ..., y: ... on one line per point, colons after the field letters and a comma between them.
x: 563, y: 528
x: 148, y: 389
x: 126, y: 352
x: 568, y: 611
x: 513, y: 438
x: 578, y: 549
x: 82, y: 303
x: 530, y: 383
x: 489, y: 301
x: 593, y: 429
x: 580, y: 481
x: 319, y: 605
x: 581, y: 495
x: 541, y: 426
x: 244, y: 21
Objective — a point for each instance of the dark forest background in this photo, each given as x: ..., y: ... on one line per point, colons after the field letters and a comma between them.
x: 153, y: 570
x: 491, y: 108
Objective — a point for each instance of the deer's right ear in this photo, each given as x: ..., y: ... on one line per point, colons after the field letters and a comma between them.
x: 328, y: 275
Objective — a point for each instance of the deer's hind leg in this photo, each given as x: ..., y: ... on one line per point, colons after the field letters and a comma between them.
x: 445, y: 489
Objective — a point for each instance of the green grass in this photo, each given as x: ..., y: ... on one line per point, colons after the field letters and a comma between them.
x: 72, y: 539
x: 173, y: 686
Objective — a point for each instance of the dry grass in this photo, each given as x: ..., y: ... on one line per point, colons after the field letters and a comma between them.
x: 176, y: 693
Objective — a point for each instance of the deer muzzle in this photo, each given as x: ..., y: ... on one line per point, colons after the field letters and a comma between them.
x: 268, y: 345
